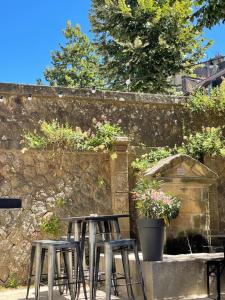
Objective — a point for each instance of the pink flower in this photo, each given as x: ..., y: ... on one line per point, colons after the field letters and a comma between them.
x: 154, y: 195
x: 168, y: 200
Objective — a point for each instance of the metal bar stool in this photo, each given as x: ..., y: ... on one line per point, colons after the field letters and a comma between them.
x: 122, y: 246
x: 215, y: 268
x: 53, y: 248
x: 111, y: 242
x: 92, y: 222
x: 78, y: 235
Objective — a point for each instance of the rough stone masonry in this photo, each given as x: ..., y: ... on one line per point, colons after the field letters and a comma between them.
x: 85, y: 181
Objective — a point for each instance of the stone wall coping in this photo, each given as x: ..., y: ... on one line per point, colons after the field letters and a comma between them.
x: 88, y: 94
x: 11, y: 209
x: 121, y: 140
x: 46, y: 152
x: 189, y: 179
x: 179, y: 258
x: 174, y: 160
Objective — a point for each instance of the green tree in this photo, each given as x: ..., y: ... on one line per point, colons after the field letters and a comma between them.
x: 144, y: 41
x: 76, y: 64
x: 209, y: 12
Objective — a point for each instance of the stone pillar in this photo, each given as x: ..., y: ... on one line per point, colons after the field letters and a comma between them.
x: 119, y: 181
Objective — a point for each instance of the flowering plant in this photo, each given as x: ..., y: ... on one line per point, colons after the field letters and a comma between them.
x: 152, y: 202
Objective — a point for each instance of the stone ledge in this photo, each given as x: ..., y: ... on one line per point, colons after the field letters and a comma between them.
x: 181, y: 257
x: 48, y: 91
x: 176, y: 277
x: 168, y: 163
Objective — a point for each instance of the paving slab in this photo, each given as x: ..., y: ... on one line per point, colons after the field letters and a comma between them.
x: 20, y: 294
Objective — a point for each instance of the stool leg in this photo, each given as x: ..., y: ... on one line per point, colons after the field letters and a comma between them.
x: 108, y: 270
x: 98, y: 252
x: 114, y: 277
x: 207, y: 271
x: 69, y: 270
x: 126, y: 269
x: 77, y: 275
x: 81, y: 271
x: 30, y: 269
x: 81, y: 239
x: 42, y: 261
x: 141, y: 278
x: 58, y: 270
x: 218, y: 280
x: 83, y: 254
x: 37, y: 271
x: 51, y: 270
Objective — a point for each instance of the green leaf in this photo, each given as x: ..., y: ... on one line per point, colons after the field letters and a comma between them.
x: 146, y: 41
x: 76, y: 64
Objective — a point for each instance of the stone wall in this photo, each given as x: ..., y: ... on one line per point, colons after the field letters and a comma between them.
x: 156, y: 120
x: 190, y: 181
x: 176, y: 277
x: 213, y: 193
x: 217, y: 194
x: 88, y: 182
x: 42, y: 180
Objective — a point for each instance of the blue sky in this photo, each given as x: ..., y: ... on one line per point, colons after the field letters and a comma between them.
x: 30, y: 30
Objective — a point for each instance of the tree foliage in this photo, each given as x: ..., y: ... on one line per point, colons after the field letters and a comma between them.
x: 209, y: 12
x: 145, y: 41
x: 215, y: 102
x: 76, y: 64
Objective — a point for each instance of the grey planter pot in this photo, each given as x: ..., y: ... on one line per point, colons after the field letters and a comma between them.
x: 151, y: 234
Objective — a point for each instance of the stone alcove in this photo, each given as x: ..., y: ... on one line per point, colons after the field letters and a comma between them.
x: 192, y: 182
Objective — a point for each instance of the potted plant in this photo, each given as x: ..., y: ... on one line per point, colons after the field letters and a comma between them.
x: 155, y: 209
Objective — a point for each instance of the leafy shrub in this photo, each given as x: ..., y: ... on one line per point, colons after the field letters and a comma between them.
x: 149, y: 159
x: 152, y: 202
x: 63, y: 136
x: 101, y: 182
x: 60, y: 202
x: 12, y: 281
x: 209, y: 141
x: 51, y: 226
x: 35, y: 141
x: 105, y: 134
x: 56, y: 136
x: 201, y: 102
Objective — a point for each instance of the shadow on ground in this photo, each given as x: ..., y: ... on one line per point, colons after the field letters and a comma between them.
x: 20, y: 294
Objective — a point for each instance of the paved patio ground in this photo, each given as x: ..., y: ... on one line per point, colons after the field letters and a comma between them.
x: 19, y: 294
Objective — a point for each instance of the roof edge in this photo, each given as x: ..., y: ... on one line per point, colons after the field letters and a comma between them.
x: 172, y: 160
